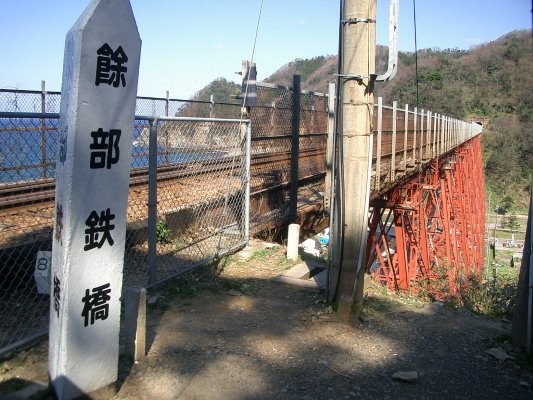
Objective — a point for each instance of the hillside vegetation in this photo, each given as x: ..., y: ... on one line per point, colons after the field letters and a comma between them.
x: 491, y: 82
x: 222, y: 90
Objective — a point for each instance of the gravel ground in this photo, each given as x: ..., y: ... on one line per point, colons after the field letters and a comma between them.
x: 240, y: 335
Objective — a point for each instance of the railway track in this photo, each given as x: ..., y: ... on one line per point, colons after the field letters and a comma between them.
x: 25, y: 193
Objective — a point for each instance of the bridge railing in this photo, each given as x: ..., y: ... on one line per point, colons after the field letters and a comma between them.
x: 405, y: 140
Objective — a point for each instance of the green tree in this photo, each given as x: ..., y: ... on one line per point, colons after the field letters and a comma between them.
x: 512, y: 223
x: 507, y: 202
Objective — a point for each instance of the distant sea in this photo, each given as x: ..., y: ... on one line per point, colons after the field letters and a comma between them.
x: 21, y: 155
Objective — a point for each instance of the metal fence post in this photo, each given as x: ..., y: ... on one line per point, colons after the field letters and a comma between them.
x: 393, y: 147
x: 438, y: 135
x: 434, y: 136
x: 414, y: 135
x: 272, y: 114
x: 247, y: 183
x: 329, y: 146
x: 444, y: 134
x: 295, y: 149
x: 377, y: 181
x: 152, y: 202
x: 167, y: 100
x: 421, y: 145
x: 428, y: 135
x: 405, y: 129
x: 43, y: 129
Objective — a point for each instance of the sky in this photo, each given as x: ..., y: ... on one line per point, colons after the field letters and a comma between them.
x: 188, y: 43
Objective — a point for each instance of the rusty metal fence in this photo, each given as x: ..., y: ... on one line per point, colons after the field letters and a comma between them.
x: 187, y: 202
x: 276, y: 139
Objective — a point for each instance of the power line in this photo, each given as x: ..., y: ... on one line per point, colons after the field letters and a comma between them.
x: 416, y: 51
x: 256, y: 30
x: 252, y: 56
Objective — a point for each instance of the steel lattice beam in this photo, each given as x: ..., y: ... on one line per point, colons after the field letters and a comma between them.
x: 428, y: 233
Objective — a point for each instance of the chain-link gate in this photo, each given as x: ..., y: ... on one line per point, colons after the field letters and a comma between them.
x: 199, y: 171
x: 197, y: 196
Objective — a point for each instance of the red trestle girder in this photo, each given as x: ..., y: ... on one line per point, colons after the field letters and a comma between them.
x: 428, y: 232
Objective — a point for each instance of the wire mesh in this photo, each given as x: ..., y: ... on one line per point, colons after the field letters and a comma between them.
x: 204, y: 210
x: 30, y: 101
x: 273, y: 113
x: 201, y: 180
x: 201, y: 197
x: 313, y: 113
x: 272, y: 131
x: 28, y: 149
x: 154, y: 106
x: 312, y: 158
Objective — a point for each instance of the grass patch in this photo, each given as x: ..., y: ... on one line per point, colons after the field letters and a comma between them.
x: 259, y: 256
x: 374, y: 304
x: 495, y: 297
x: 263, y: 254
x: 162, y: 232
x: 180, y: 244
x: 378, y: 299
x: 175, y: 289
x: 179, y: 288
x: 284, y: 263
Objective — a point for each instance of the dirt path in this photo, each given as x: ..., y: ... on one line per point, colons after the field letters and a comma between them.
x: 243, y: 336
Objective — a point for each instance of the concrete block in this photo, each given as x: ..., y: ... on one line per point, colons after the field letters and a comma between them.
x: 321, y: 279
x: 292, y: 242
x: 42, y: 271
x: 135, y: 323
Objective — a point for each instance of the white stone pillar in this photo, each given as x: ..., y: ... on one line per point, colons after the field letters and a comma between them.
x: 100, y: 73
x: 293, y: 239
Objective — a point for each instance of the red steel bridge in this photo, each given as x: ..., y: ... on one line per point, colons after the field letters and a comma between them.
x: 426, y: 218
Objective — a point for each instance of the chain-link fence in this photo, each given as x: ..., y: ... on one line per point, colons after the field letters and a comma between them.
x: 187, y: 204
x: 273, y: 133
x: 200, y: 209
x: 197, y: 196
x: 31, y: 101
x: 167, y: 107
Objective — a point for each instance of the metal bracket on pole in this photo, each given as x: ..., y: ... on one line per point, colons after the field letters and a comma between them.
x: 393, y: 42
x: 357, y: 20
x: 357, y: 77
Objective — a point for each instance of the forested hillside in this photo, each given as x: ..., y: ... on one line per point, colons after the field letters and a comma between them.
x: 492, y: 82
x: 222, y: 90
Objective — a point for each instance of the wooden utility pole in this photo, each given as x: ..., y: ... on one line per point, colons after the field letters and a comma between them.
x: 357, y: 104
x: 295, y: 150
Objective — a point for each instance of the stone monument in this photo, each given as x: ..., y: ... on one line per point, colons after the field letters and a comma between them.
x: 99, y: 90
